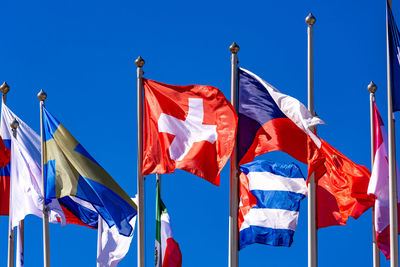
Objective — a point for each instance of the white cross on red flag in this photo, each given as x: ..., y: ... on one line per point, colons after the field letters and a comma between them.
x: 192, y: 128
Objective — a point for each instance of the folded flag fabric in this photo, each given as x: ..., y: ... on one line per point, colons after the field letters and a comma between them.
x: 26, y: 174
x: 379, y: 184
x: 270, y: 195
x: 341, y: 185
x: 113, y: 246
x: 192, y: 128
x: 168, y: 253
x: 271, y: 121
x: 80, y: 184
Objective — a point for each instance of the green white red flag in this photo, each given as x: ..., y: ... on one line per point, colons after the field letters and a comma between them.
x: 168, y: 253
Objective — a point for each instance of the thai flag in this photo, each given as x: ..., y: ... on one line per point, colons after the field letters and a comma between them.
x: 270, y: 195
x: 271, y: 121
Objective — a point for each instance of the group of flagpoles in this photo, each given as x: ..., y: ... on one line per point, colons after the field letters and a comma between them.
x: 394, y: 238
x: 140, y: 189
x: 46, y: 240
x: 312, y: 222
x: 234, y: 179
x: 375, y: 249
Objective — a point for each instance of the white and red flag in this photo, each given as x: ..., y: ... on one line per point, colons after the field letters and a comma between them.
x: 192, y: 128
x: 379, y: 184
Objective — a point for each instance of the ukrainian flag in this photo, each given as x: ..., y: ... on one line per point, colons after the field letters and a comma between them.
x: 79, y: 182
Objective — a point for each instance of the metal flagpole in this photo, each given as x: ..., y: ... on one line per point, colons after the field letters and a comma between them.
x: 394, y: 242
x: 20, y: 230
x: 99, y: 232
x: 158, y: 250
x: 11, y: 232
x: 140, y: 214
x: 312, y: 227
x: 46, y: 240
x: 375, y: 249
x: 234, y: 180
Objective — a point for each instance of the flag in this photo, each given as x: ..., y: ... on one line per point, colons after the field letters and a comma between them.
x: 26, y: 175
x: 168, y: 253
x: 271, y: 121
x: 379, y: 184
x: 79, y: 182
x: 113, y: 245
x: 270, y: 195
x: 5, y: 153
x: 394, y: 57
x: 341, y: 185
x: 192, y: 128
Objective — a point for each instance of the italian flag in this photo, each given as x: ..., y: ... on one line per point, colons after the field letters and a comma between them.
x: 167, y: 253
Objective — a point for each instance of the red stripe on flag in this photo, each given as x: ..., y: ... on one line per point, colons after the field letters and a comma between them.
x: 280, y: 134
x: 4, y: 194
x: 173, y: 255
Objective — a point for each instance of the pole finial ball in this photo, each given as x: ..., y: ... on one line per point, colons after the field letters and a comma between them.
x: 42, y: 95
x: 234, y: 48
x: 139, y: 62
x: 310, y: 19
x: 4, y: 88
x: 14, y: 124
x: 372, y: 87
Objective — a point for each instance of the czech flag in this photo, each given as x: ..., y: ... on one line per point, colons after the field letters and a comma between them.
x: 271, y: 121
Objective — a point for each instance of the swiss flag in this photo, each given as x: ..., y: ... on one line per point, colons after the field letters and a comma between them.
x: 192, y: 128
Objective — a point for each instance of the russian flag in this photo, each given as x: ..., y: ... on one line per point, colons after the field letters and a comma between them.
x: 5, y: 182
x: 270, y: 195
x: 271, y: 121
x: 5, y: 146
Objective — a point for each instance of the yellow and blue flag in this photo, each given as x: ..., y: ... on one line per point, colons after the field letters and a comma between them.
x: 80, y: 183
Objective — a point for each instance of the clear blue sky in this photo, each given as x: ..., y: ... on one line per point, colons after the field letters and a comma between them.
x: 82, y: 54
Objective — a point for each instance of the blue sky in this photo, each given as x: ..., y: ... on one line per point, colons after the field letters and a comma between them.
x: 82, y: 54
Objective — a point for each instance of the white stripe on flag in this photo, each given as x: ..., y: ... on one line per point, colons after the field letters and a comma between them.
x: 267, y: 181
x: 293, y: 109
x: 271, y: 218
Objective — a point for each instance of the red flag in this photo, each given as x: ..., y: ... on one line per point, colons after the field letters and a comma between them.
x: 192, y: 128
x: 5, y: 154
x: 341, y: 185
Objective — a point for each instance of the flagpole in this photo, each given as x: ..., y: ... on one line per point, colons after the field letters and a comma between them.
x: 20, y: 229
x: 4, y: 88
x: 46, y: 240
x: 312, y: 227
x: 234, y: 180
x: 375, y: 249
x: 11, y: 232
x: 140, y: 187
x: 394, y: 239
x: 99, y: 232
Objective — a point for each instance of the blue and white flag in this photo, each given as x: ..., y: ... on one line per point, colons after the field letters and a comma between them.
x: 270, y: 195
